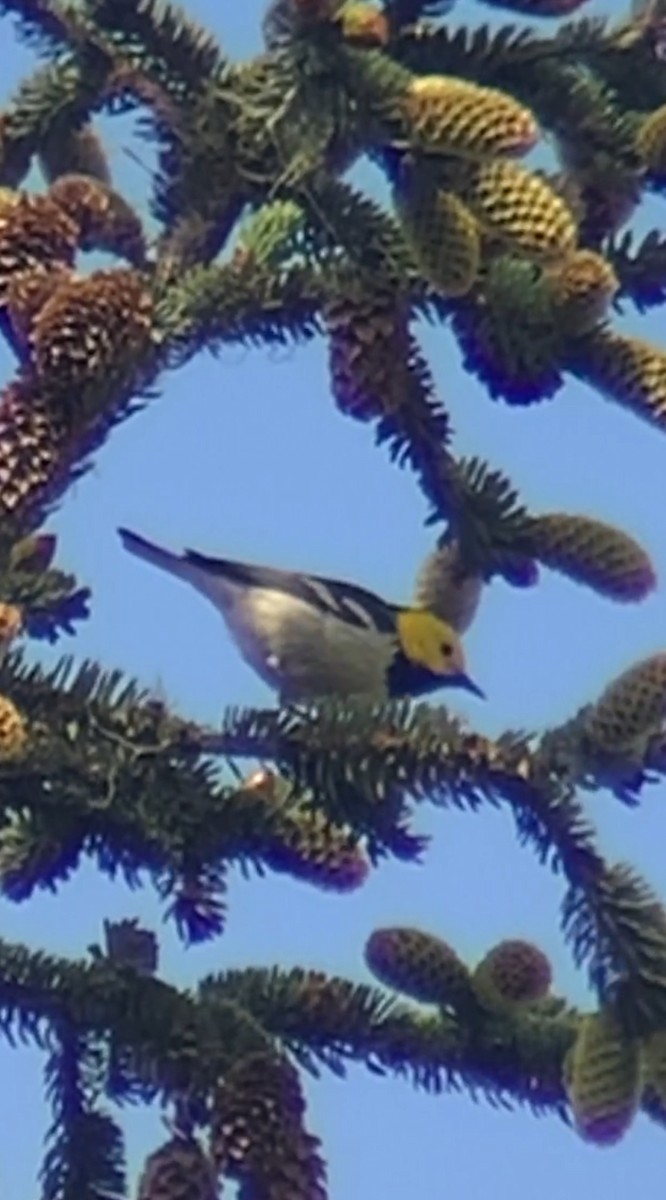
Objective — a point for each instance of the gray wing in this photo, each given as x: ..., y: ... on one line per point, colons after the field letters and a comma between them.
x: 306, y: 653
x: 443, y: 587
x: 301, y: 650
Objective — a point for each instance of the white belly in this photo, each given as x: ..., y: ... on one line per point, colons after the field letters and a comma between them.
x: 298, y: 651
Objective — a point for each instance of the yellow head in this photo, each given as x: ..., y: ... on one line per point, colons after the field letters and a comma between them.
x: 434, y: 646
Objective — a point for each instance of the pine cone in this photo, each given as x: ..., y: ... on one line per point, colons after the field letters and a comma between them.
x: 106, y: 221
x: 92, y: 329
x: 518, y: 208
x: 625, y: 369
x: 443, y: 236
x: 507, y: 334
x: 258, y: 1136
x: 30, y: 441
x: 418, y: 965
x: 179, y: 1170
x: 583, y: 288
x: 606, y: 1079
x: 632, y: 706
x: 512, y: 974
x: 13, y: 731
x: 593, y: 553
x: 34, y: 231
x: 308, y: 846
x: 368, y: 354
x: 74, y: 151
x: 446, y: 115
x: 28, y: 292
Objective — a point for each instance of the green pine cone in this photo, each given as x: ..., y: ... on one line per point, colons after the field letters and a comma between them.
x: 606, y: 1079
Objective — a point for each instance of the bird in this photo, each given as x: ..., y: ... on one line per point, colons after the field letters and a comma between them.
x: 310, y: 638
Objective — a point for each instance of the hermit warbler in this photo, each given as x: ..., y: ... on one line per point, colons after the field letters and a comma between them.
x: 309, y: 637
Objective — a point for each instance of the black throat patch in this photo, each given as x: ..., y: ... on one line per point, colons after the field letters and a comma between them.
x: 405, y: 678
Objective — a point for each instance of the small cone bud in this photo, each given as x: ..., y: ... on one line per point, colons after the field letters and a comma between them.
x: 512, y: 974
x: 583, y: 288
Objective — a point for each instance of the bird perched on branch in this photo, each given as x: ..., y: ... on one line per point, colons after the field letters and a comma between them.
x: 309, y: 637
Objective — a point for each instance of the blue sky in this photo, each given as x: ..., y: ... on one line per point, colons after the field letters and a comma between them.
x: 245, y: 455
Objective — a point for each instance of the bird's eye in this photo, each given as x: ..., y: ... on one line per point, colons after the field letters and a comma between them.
x: 447, y: 649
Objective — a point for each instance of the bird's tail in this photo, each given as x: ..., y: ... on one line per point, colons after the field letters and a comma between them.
x: 151, y: 553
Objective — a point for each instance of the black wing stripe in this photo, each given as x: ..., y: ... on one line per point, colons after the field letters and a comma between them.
x: 346, y: 601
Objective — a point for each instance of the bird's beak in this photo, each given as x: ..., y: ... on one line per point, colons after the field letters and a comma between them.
x: 469, y: 685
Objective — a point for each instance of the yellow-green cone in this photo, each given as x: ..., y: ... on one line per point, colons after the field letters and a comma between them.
x: 445, y: 587
x: 583, y: 287
x: 443, y: 236
x: 606, y: 1079
x: 593, y: 553
x: 518, y: 209
x: 512, y: 974
x: 446, y: 115
x: 419, y: 965
x: 632, y: 706
x: 625, y: 369
x: 651, y: 141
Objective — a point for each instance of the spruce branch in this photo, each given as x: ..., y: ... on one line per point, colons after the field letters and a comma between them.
x: 46, y: 25
x: 640, y: 267
x: 154, y: 1039
x: 161, y: 41
x: 85, y: 1150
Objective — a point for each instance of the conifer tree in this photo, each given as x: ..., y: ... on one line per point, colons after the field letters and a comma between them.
x: 263, y: 240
